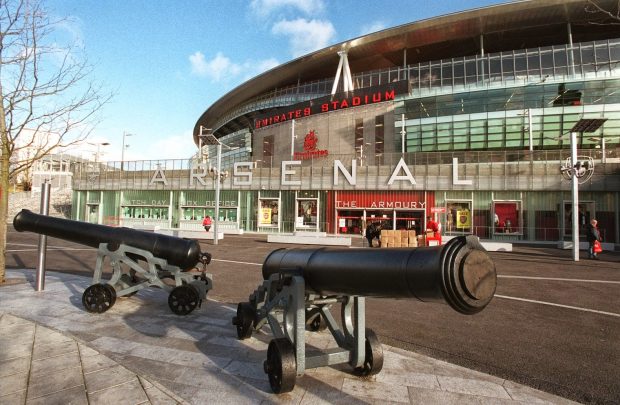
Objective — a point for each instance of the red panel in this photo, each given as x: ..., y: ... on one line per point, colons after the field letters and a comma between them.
x: 330, y: 221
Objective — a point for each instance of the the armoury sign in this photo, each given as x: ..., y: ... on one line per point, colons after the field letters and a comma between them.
x: 340, y: 101
x: 243, y: 172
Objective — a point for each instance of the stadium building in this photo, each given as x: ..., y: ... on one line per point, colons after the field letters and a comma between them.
x: 466, y: 117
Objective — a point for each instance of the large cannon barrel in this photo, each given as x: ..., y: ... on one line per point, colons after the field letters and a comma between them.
x: 183, y: 253
x: 460, y: 272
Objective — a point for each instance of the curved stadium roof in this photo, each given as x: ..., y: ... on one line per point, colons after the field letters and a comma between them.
x: 505, y: 27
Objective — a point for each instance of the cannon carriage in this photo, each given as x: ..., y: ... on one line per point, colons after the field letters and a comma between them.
x: 138, y: 259
x: 302, y: 285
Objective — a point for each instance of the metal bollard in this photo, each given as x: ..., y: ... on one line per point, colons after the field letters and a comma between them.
x: 45, y: 209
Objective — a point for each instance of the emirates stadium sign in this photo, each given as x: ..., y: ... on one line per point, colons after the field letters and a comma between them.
x: 356, y: 98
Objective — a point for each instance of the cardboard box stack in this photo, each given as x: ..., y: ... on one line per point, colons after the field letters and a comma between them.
x: 398, y: 238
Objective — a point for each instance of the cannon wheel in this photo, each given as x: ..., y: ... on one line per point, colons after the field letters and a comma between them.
x: 315, y: 321
x: 281, y: 366
x: 112, y: 290
x: 98, y: 298
x: 373, y: 363
x: 183, y: 299
x: 243, y: 320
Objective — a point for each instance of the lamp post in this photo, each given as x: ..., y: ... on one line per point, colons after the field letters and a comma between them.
x: 98, y: 145
x: 292, y: 139
x: 125, y: 134
x: 583, y: 125
x: 210, y: 139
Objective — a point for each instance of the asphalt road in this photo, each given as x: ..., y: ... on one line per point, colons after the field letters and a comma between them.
x: 554, y: 324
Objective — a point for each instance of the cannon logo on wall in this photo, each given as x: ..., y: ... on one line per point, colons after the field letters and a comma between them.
x: 138, y: 259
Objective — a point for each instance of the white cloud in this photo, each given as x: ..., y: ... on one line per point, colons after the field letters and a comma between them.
x: 222, y: 68
x: 252, y: 69
x: 373, y: 27
x: 266, y: 7
x: 218, y: 68
x: 305, y: 36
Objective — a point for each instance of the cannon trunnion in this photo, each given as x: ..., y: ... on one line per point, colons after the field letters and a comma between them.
x: 301, y: 285
x: 139, y: 259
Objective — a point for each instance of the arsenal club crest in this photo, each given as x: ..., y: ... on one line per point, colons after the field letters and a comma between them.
x: 310, y: 141
x: 310, y: 147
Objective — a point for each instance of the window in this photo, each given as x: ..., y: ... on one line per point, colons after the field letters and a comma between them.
x: 268, y: 212
x: 379, y: 139
x: 507, y: 217
x: 268, y: 144
x: 307, y: 213
x: 458, y: 217
x: 359, y: 139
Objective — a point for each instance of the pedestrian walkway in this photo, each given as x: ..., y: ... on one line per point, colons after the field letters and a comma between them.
x: 54, y: 352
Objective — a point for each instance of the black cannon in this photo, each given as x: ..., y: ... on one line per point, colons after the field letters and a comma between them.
x: 300, y: 285
x: 169, y: 262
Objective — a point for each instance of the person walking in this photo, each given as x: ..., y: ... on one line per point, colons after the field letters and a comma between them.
x: 373, y: 231
x: 592, y: 235
x: 206, y: 223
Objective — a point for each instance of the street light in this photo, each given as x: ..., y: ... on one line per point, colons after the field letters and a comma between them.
x: 125, y: 134
x: 98, y: 145
x: 602, y: 141
x: 575, y: 172
x: 200, y: 142
x: 210, y: 139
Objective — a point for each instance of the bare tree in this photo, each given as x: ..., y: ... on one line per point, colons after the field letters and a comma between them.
x: 48, y: 101
x: 608, y: 16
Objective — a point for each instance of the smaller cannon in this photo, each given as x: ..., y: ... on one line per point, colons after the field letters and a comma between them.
x: 139, y: 259
x: 300, y: 286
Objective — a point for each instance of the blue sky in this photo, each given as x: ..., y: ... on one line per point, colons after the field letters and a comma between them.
x: 168, y: 61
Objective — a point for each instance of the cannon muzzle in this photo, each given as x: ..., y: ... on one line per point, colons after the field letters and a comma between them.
x: 460, y: 272
x: 184, y: 253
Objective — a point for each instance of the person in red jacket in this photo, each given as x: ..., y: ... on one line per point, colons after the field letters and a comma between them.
x: 206, y: 222
x: 431, y: 225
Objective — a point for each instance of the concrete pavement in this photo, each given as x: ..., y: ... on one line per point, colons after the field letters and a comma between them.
x: 54, y: 352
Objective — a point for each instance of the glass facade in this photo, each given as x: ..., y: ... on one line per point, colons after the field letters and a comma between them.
x: 507, y: 118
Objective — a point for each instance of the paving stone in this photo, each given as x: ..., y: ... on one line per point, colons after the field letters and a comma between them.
x: 8, y: 319
x: 246, y: 369
x: 15, y: 352
x: 531, y: 395
x: 48, y: 384
x: 130, y: 393
x: 14, y: 366
x: 54, y: 364
x: 72, y: 396
x: 155, y: 369
x: 42, y: 351
x: 16, y: 398
x: 97, y: 362
x: 419, y: 395
x: 5, y: 339
x: 397, y: 376
x: 86, y: 351
x: 472, y: 387
x: 13, y: 383
x: 156, y: 396
x: 108, y: 377
x: 45, y: 335
x: 375, y: 391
